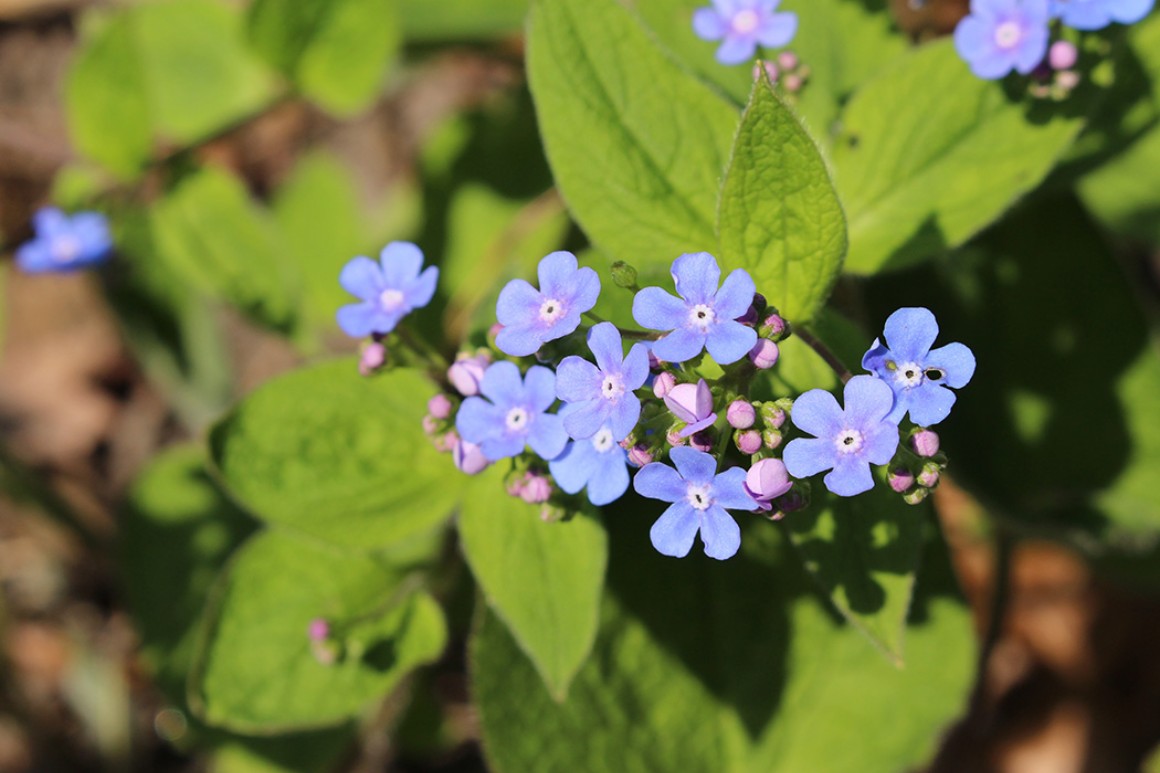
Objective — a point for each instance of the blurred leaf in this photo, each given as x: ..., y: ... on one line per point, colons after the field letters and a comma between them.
x: 451, y: 19
x: 314, y: 751
x: 544, y: 580
x: 779, y: 216
x: 212, y: 235
x: 255, y: 670
x: 637, y: 145
x: 929, y: 155
x: 725, y: 666
x: 339, y: 457
x: 335, y: 51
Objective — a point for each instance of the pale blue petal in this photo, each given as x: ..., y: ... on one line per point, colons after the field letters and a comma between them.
x: 50, y: 221
x: 680, y: 345
x: 636, y: 369
x: 610, y: 481
x: 547, y: 436
x: 359, y: 320
x: 881, y: 441
x: 623, y: 416
x: 92, y: 229
x: 660, y: 481
x: 956, y: 361
x: 362, y: 278
x: 582, y: 293
x: 586, y: 419
x: 735, y: 296
x: 736, y: 49
x: 656, y: 309
x: 696, y: 275
x: 875, y: 358
x: 929, y: 404
x: 401, y: 262
x: 910, y: 333
x: 578, y: 380
x: 1032, y: 49
x: 708, y: 24
x: 502, y: 385
x: 729, y: 341
x: 694, y: 466
x: 575, y: 467
x: 36, y: 257
x: 805, y: 458
x: 778, y: 30
x: 604, y: 341
x: 503, y: 446
x: 720, y: 533
x: 519, y: 340
x: 850, y: 477
x: 557, y: 273
x: 420, y: 292
x: 674, y: 532
x: 868, y: 401
x: 540, y: 387
x: 478, y: 420
x: 519, y: 304
x: 818, y: 413
x: 973, y: 38
x: 729, y: 490
x: 1130, y: 11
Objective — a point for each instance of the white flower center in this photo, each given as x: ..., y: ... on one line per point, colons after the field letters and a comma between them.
x: 1008, y: 34
x: 746, y: 21
x: 551, y: 310
x: 392, y: 299
x: 66, y: 249
x: 907, y: 375
x: 612, y: 388
x: 698, y: 496
x: 602, y: 441
x: 517, y: 419
x: 849, y: 441
x: 701, y: 316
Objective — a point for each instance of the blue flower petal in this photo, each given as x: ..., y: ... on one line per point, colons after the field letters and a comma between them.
x: 778, y: 30
x: 729, y: 490
x: 502, y: 384
x: 881, y: 441
x: 586, y: 419
x: 806, y: 457
x: 50, y: 221
x: 680, y: 345
x: 818, y: 413
x: 660, y: 481
x: 696, y: 275
x: 729, y: 341
x: 557, y: 273
x: 708, y: 24
x: 519, y: 340
x: 584, y: 291
x: 547, y: 436
x: 910, y: 332
x: 518, y: 304
x: 868, y: 401
x: 575, y: 467
x: 656, y: 309
x: 850, y: 477
x: 478, y: 420
x: 956, y: 361
x: 35, y: 257
x: 1032, y: 49
x: 577, y: 380
x: 636, y: 369
x: 362, y: 278
x: 720, y: 533
x: 694, y: 466
x: 674, y: 532
x: 610, y: 481
x: 1130, y: 11
x: 736, y: 49
x: 359, y: 320
x: 503, y: 446
x: 623, y: 416
x: 605, y: 344
x: 421, y: 290
x: 929, y: 404
x: 875, y: 358
x: 735, y: 296
x: 401, y: 262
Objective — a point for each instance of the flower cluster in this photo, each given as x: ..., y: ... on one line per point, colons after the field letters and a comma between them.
x: 64, y: 244
x: 573, y: 403
x: 999, y: 36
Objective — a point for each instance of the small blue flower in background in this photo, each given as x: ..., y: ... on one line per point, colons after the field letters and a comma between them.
x: 390, y: 289
x: 531, y: 317
x: 846, y: 441
x: 742, y: 25
x: 603, y: 393
x: 598, y: 463
x: 64, y: 243
x: 1097, y: 14
x: 515, y: 416
x: 918, y: 376
x: 704, y: 317
x: 700, y: 498
x: 1003, y: 35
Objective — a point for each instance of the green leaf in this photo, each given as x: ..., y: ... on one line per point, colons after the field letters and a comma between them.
x: 544, y: 580
x: 451, y: 19
x: 211, y: 235
x: 725, y: 666
x: 256, y: 672
x: 929, y: 155
x: 779, y: 216
x: 637, y: 145
x: 335, y: 51
x: 339, y: 457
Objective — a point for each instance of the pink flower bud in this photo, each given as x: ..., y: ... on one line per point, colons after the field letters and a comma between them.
x: 663, y: 384
x: 373, y: 357
x: 929, y: 476
x: 740, y: 414
x: 446, y: 443
x: 773, y: 327
x: 764, y: 354
x: 767, y: 480
x: 439, y: 406
x: 640, y: 455
x: 773, y: 415
x: 1062, y: 55
x: 466, y: 373
x: 772, y: 438
x: 924, y: 442
x: 1067, y: 80
x: 536, y: 489
x: 469, y: 458
x: 770, y: 70
x: 430, y: 424
x: 787, y: 60
x: 915, y: 497
x: 702, y: 441
x: 748, y: 442
x: 792, y: 83
x: 674, y: 438
x: 692, y: 404
x: 901, y: 480
x: 318, y: 630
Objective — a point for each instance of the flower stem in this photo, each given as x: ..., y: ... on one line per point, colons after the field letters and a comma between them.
x: 436, y: 361
x: 825, y: 353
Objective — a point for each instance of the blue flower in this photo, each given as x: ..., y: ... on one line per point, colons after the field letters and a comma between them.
x: 704, y: 317
x: 603, y: 393
x: 742, y: 25
x: 1097, y: 14
x: 531, y: 317
x: 919, y: 376
x: 1003, y: 35
x: 598, y: 463
x: 700, y: 498
x: 390, y: 289
x: 65, y: 243
x: 845, y: 441
x: 515, y: 415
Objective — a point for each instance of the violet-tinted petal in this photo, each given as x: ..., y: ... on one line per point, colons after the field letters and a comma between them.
x: 682, y: 401
x: 720, y: 533
x: 401, y: 262
x: 584, y: 291
x: 358, y: 320
x: 910, y: 332
x: 806, y: 457
x: 694, y: 466
x: 735, y: 296
x: 92, y: 229
x: 729, y: 490
x: 577, y: 380
x: 674, y: 532
x: 736, y: 49
x: 696, y: 275
x: 547, y: 436
x: 660, y: 481
x: 605, y: 344
x: 850, y: 477
x: 478, y: 419
x: 778, y: 30
x: 708, y: 24
x: 818, y: 413
x: 973, y: 39
x: 610, y: 480
x: 574, y: 468
x: 503, y: 446
x: 623, y: 416
x: 697, y: 426
x: 1130, y: 11
x: 362, y: 278
x: 502, y: 385
x: 656, y: 309
x: 681, y: 345
x: 519, y: 340
x: 585, y: 419
x: 635, y: 369
x: 35, y: 257
x: 875, y: 357
x: 557, y: 272
x: 420, y: 291
x: 729, y: 341
x: 518, y: 304
x: 50, y: 221
x: 1033, y: 49
x: 540, y: 387
x: 868, y: 400
x: 929, y: 404
x: 880, y: 443
x: 956, y: 361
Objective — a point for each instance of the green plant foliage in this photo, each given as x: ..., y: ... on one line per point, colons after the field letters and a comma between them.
x: 929, y: 155
x: 175, y: 70
x: 256, y: 672
x: 544, y: 580
x: 353, y: 468
x: 211, y: 235
x: 637, y: 144
x: 335, y: 51
x: 779, y: 216
x: 423, y: 20
x: 725, y: 666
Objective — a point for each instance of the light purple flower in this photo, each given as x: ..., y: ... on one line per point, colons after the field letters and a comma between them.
x: 597, y: 462
x: 1097, y: 14
x: 699, y: 499
x: 603, y: 393
x: 845, y: 441
x: 467, y: 371
x: 766, y: 481
x: 531, y: 317
x: 741, y: 414
x: 1003, y: 35
x: 64, y: 243
x: 692, y: 404
x: 515, y: 415
x: 704, y: 317
x: 468, y: 457
x: 919, y: 376
x: 743, y: 24
x: 390, y: 289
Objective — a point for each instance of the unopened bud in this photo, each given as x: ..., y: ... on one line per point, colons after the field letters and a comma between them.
x: 793, y: 83
x: 430, y: 424
x: 673, y: 437
x: 663, y: 384
x: 924, y: 442
x: 445, y: 442
x: 552, y: 513
x: 773, y: 327
x: 766, y: 481
x: 787, y: 60
x: 466, y: 373
x: 469, y: 457
x: 624, y: 275
x: 771, y: 438
x: 439, y: 406
x: 748, y: 441
x: 773, y: 415
x: 702, y: 441
x: 536, y: 489
x: 901, y: 480
x: 640, y: 455
x: 764, y: 354
x: 929, y: 476
x: 1062, y: 55
x: 318, y: 630
x: 1067, y: 80
x: 740, y: 414
x: 915, y: 497
x: 373, y: 357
